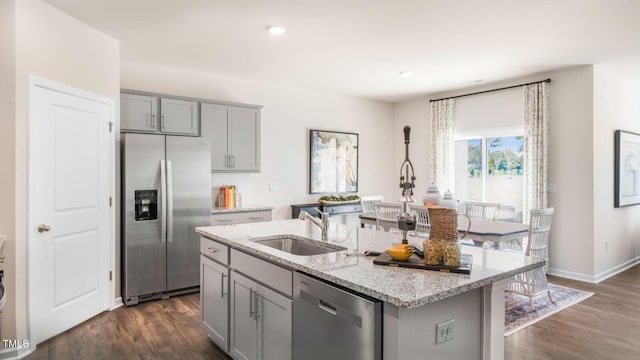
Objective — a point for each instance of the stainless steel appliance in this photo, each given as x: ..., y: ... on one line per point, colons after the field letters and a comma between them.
x: 166, y: 193
x: 333, y: 323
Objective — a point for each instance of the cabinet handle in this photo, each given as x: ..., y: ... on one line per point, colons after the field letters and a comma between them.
x: 234, y: 161
x: 222, y: 293
x: 256, y: 218
x: 256, y: 303
x: 225, y: 220
x: 227, y: 161
x: 212, y: 250
x: 153, y: 121
x: 161, y: 121
x: 251, y: 303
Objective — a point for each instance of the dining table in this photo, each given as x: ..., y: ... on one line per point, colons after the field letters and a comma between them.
x: 500, y: 234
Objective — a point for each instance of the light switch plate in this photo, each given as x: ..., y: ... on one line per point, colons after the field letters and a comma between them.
x: 273, y: 187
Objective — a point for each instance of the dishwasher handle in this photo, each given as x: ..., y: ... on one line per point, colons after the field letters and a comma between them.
x: 327, y: 307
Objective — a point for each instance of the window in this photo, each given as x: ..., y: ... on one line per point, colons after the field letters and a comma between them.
x: 490, y: 168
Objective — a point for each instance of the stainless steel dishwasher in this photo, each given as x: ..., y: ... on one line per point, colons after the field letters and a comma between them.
x: 332, y: 323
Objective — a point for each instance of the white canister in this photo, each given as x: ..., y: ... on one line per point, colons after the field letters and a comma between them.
x: 449, y: 201
x: 432, y: 197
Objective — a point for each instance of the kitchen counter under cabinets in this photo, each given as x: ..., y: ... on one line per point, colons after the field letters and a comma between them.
x: 241, y: 215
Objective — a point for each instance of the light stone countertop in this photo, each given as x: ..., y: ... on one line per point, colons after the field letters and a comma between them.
x: 250, y: 207
x: 402, y: 287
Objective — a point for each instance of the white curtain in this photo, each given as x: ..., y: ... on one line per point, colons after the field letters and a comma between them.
x: 442, y: 144
x: 536, y: 146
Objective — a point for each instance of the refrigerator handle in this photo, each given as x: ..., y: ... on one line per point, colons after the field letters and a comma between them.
x: 169, y: 202
x: 163, y: 202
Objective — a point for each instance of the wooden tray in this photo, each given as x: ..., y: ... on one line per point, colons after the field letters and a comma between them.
x: 415, y: 262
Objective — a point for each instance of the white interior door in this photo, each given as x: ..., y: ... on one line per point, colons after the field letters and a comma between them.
x: 70, y: 222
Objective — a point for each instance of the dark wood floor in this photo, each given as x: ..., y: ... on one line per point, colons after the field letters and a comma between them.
x: 605, y: 326
x: 163, y: 329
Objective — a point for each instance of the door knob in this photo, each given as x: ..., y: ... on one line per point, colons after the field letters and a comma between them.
x: 43, y: 228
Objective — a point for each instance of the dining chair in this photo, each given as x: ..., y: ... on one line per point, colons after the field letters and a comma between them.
x: 534, y: 282
x: 367, y: 202
x: 483, y: 210
x: 506, y: 213
x: 387, y: 216
x: 422, y: 219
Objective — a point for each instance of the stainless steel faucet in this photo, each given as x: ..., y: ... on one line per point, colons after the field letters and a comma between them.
x: 322, y: 223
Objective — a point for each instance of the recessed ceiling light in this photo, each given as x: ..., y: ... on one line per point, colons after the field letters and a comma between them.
x: 276, y: 30
x: 405, y: 74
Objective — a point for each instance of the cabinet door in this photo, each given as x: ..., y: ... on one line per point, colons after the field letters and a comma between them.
x: 214, y: 125
x: 178, y: 117
x: 138, y: 113
x: 245, y: 139
x: 214, y: 301
x: 244, y: 323
x: 274, y: 316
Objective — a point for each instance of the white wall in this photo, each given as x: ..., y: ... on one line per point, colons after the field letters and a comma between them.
x: 616, y: 106
x: 7, y: 156
x: 287, y: 116
x: 415, y: 113
x: 570, y: 163
x: 55, y: 46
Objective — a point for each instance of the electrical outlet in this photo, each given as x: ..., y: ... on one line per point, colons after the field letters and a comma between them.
x: 606, y: 245
x: 444, y: 331
x: 273, y: 187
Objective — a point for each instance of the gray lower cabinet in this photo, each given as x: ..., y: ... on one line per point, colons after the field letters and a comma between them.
x: 214, y: 301
x: 260, y: 321
x: 159, y: 115
x: 235, y: 136
x: 240, y: 217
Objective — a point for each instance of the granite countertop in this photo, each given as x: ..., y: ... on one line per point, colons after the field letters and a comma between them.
x: 402, y: 287
x: 251, y: 207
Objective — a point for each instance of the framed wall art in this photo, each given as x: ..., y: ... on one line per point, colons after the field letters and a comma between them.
x: 627, y: 169
x: 333, y: 163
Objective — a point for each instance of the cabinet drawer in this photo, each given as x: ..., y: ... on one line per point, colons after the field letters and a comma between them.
x: 272, y: 275
x: 214, y: 250
x: 240, y: 217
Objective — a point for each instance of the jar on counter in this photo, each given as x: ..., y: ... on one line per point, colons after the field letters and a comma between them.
x: 433, y: 251
x: 451, y: 252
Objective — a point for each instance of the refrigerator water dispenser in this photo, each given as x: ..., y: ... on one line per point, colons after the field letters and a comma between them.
x: 146, y: 202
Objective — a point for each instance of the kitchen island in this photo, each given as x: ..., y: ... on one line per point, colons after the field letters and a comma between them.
x: 413, y: 301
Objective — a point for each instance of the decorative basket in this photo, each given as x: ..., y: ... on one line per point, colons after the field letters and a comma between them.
x: 444, y: 224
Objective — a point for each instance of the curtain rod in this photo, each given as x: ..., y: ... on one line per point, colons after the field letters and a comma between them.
x: 487, y: 91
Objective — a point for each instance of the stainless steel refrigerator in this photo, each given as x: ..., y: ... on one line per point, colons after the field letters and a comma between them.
x: 166, y: 193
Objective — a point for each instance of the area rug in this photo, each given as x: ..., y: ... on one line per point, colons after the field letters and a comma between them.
x: 518, y: 314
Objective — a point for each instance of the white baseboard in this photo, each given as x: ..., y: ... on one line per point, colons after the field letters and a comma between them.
x: 617, y: 269
x: 11, y: 354
x: 594, y: 279
x: 116, y: 304
x: 572, y: 275
x: 8, y: 354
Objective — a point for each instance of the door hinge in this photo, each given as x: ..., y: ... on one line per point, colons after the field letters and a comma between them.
x: 110, y: 275
x: 111, y: 126
x: 110, y: 201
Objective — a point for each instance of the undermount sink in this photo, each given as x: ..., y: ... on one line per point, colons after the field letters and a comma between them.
x: 297, y: 245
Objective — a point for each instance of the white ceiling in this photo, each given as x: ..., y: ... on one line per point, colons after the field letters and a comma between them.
x: 358, y: 47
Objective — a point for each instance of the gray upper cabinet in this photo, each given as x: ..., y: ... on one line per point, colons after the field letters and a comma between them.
x: 178, y: 116
x: 138, y: 113
x: 235, y: 137
x: 153, y: 114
